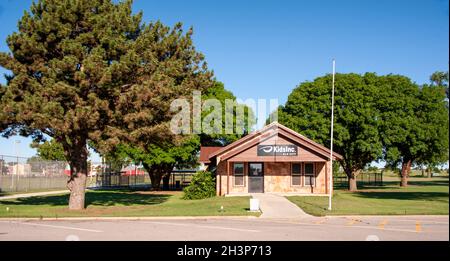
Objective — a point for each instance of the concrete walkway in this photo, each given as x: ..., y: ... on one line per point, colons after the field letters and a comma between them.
x: 279, y: 207
x: 26, y: 195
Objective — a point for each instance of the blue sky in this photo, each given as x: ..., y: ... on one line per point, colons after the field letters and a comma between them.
x: 264, y: 48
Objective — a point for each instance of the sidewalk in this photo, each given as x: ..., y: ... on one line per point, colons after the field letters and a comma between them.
x: 276, y: 206
x: 26, y: 195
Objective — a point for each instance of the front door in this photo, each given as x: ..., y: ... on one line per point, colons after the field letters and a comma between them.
x: 255, y: 178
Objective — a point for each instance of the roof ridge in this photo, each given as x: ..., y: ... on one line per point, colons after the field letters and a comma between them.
x: 264, y: 129
x: 253, y: 133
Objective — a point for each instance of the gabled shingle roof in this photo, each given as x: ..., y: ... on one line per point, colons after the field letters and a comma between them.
x: 205, y: 152
x: 274, y: 127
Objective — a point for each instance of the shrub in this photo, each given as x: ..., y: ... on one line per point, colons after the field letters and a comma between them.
x: 202, y: 186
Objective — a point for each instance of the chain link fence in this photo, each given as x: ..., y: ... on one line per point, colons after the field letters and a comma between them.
x: 20, y: 174
x: 177, y: 180
x: 363, y: 179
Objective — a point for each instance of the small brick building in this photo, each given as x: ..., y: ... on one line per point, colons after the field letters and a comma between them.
x: 274, y: 159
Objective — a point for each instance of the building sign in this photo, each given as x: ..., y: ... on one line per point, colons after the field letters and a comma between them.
x: 277, y: 150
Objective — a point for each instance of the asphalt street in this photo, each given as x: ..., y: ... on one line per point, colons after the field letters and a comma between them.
x: 383, y: 228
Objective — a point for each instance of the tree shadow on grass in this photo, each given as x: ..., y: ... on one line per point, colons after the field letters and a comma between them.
x: 440, y: 182
x: 394, y: 184
x: 103, y: 198
x: 385, y: 186
x: 405, y: 195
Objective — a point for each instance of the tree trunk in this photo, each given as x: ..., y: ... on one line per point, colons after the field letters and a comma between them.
x: 351, y: 175
x: 166, y: 176
x: 154, y: 174
x: 406, y: 168
x: 429, y: 173
x: 158, y: 173
x: 156, y: 180
x: 352, y: 185
x: 78, y: 176
x: 166, y: 181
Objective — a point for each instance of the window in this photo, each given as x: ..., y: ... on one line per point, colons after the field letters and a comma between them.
x: 309, y: 174
x: 296, y: 172
x: 238, y: 172
x: 255, y: 169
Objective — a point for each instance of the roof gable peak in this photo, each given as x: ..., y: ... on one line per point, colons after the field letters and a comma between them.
x: 274, y: 127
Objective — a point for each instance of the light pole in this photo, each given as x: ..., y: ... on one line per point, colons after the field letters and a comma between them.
x: 17, y: 157
x: 16, y: 152
x: 330, y: 183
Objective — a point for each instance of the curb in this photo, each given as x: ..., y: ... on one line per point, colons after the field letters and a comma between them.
x: 124, y: 218
x: 392, y: 216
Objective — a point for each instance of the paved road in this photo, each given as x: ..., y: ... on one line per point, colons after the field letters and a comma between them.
x: 253, y: 229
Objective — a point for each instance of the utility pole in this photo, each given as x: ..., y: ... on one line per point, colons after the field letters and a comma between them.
x: 17, y: 164
x: 330, y: 183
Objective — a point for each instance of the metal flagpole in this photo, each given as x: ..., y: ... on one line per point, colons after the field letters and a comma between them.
x: 330, y: 183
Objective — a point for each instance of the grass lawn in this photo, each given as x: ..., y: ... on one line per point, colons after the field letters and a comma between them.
x: 125, y: 203
x: 421, y: 197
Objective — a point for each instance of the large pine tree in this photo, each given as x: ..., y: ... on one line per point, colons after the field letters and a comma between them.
x: 90, y: 70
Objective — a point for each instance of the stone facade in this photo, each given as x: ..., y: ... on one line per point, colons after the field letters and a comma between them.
x: 277, y: 179
x: 277, y: 165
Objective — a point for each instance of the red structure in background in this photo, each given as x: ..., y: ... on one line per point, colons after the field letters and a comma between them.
x: 67, y: 170
x: 131, y: 171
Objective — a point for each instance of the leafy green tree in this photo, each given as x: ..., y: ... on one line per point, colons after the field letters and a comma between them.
x: 115, y: 161
x: 372, y: 168
x: 336, y: 168
x: 91, y: 71
x: 440, y: 79
x: 218, y: 91
x: 49, y: 150
x: 160, y: 159
x: 400, y: 131
x: 414, y: 123
x: 433, y: 115
x: 356, y: 137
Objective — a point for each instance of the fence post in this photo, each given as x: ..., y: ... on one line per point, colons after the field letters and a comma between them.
x: 15, y: 174
x: 1, y: 172
x: 28, y: 185
x: 173, y: 181
x: 18, y: 174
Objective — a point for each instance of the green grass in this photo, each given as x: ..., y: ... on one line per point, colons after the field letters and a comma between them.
x: 125, y: 204
x: 421, y: 197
